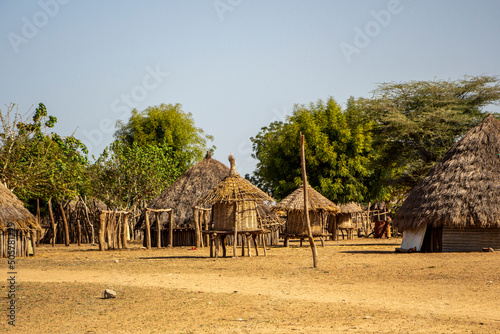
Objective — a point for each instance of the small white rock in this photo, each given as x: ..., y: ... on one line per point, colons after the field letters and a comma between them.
x: 108, y: 294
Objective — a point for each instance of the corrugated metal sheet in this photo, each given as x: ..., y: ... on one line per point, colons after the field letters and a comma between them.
x: 470, y: 240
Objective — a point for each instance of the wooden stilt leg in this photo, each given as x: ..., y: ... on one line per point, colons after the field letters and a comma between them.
x: 243, y: 239
x: 301, y: 242
x: 322, y: 241
x: 235, y: 241
x: 216, y: 244
x: 211, y: 241
x: 249, y: 249
x: 223, y: 241
x: 285, y: 242
x: 254, y: 238
x: 264, y: 244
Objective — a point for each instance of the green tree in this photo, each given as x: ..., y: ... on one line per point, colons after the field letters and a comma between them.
x: 36, y: 164
x: 124, y: 176
x: 417, y: 122
x: 165, y: 124
x: 338, y: 152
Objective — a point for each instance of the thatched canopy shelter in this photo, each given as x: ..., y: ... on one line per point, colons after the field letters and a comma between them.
x: 184, y: 193
x: 319, y: 208
x: 459, y: 199
x: 13, y: 211
x: 234, y: 202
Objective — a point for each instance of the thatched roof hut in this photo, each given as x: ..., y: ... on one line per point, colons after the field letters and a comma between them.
x: 13, y: 211
x: 319, y: 208
x: 234, y: 200
x: 184, y: 193
x: 458, y: 203
x: 350, y: 208
x: 344, y: 218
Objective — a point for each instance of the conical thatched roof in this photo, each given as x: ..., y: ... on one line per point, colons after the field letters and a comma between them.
x: 13, y: 210
x: 350, y: 208
x: 187, y: 190
x: 234, y: 188
x: 463, y: 188
x: 317, y: 202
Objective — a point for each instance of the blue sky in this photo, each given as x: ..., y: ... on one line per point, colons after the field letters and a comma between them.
x: 236, y: 65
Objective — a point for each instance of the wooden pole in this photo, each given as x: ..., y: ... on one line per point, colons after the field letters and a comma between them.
x: 306, y: 202
x: 65, y: 224
x: 125, y: 229
x: 78, y: 231
x: 158, y: 230
x: 33, y: 241
x: 102, y: 227
x: 119, y: 231
x: 52, y: 223
x: 110, y: 224
x: 196, y: 228
x: 235, y: 239
x: 38, y: 220
x: 147, y: 233
x: 204, y: 214
x: 171, y: 229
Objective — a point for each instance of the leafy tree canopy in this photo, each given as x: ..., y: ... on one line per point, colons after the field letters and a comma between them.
x: 338, y: 151
x: 36, y: 164
x: 417, y: 122
x: 165, y: 124
x: 124, y: 176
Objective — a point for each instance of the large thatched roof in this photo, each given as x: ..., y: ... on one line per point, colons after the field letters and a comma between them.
x: 295, y: 201
x: 13, y: 210
x: 189, y: 188
x: 463, y: 188
x: 350, y: 208
x: 234, y: 188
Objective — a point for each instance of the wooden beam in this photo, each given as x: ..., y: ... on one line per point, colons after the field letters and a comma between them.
x: 124, y: 231
x: 147, y: 233
x: 197, y: 232
x: 306, y: 202
x: 158, y: 229
x: 52, y: 223
x: 171, y: 229
x: 65, y: 225
x: 102, y: 227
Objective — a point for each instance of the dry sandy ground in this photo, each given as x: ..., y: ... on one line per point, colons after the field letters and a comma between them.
x: 360, y: 286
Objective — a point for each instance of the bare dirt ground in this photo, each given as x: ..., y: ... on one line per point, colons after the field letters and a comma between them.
x: 360, y: 286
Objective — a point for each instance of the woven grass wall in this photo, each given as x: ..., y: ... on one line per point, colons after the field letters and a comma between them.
x: 243, y: 212
x: 296, y: 225
x: 344, y: 220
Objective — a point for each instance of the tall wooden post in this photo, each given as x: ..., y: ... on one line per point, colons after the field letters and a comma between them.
x: 52, y: 223
x: 38, y: 220
x: 235, y: 242
x: 33, y: 241
x: 125, y: 230
x: 78, y: 231
x: 204, y: 218
x: 147, y: 233
x: 306, y: 202
x: 119, y: 231
x: 158, y: 230
x: 197, y: 232
x: 65, y: 224
x: 102, y: 227
x: 171, y: 229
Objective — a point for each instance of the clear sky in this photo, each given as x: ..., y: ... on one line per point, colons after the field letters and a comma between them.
x: 236, y: 65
